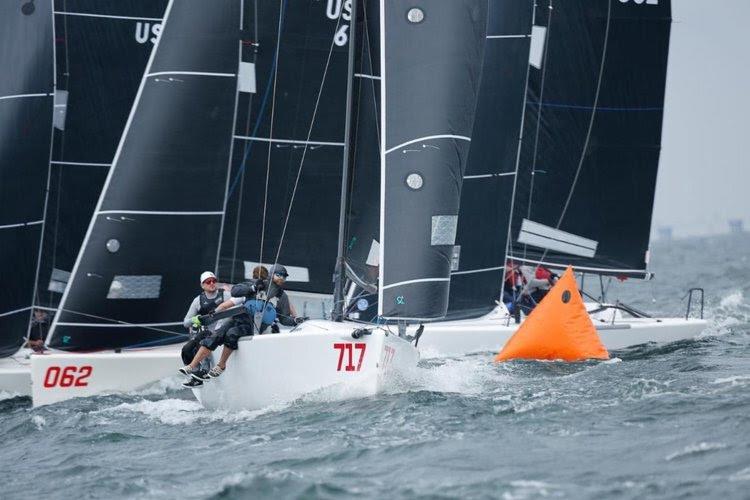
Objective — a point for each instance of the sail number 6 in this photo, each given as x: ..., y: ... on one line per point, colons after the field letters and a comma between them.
x: 69, y: 376
x: 349, y: 348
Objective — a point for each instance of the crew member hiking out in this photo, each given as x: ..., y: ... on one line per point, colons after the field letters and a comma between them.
x: 205, y: 303
x: 264, y: 303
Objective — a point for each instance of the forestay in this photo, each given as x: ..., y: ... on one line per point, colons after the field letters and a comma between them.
x: 592, y: 138
x: 157, y: 222
x: 26, y: 103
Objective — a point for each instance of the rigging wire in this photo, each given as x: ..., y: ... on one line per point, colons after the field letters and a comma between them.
x: 270, y: 130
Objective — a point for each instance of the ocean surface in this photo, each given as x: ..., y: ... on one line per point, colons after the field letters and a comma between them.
x: 656, y: 421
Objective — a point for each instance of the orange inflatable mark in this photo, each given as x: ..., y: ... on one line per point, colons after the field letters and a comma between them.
x: 558, y: 328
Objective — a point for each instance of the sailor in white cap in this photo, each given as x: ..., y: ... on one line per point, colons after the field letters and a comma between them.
x: 205, y: 303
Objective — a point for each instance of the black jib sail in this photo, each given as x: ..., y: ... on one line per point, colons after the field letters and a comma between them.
x: 592, y: 136
x: 361, y: 247
x: 431, y: 61
x: 157, y: 222
x: 285, y: 182
x: 26, y: 104
x: 102, y: 48
x: 479, y: 255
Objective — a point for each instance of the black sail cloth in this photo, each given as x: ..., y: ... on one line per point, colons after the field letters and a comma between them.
x: 433, y: 60
x: 292, y: 122
x: 102, y: 48
x: 593, y: 137
x: 479, y: 256
x: 26, y: 105
x: 157, y: 222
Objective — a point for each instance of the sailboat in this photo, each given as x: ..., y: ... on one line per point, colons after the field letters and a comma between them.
x: 574, y: 185
x: 427, y: 75
x: 27, y: 95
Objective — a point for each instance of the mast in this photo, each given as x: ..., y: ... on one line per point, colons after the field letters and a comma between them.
x: 340, y: 273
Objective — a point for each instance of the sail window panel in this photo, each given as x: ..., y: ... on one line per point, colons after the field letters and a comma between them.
x: 542, y: 236
x: 247, y: 77
x: 61, y: 108
x: 538, y: 39
x: 135, y: 287
x: 58, y: 280
x: 443, y: 230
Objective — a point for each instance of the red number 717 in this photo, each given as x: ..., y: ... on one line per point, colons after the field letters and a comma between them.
x: 349, y: 347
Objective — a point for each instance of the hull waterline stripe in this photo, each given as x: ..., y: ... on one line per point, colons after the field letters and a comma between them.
x: 287, y: 141
x: 472, y: 271
x: 152, y: 212
x: 23, y: 224
x: 80, y: 163
x: 410, y: 282
x: 191, y: 73
x: 107, y: 16
x: 508, y: 36
x: 427, y: 138
x: 363, y: 75
x: 484, y: 176
x: 16, y: 311
x: 119, y: 325
x: 21, y: 96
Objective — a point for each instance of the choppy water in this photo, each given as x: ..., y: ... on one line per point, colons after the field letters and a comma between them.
x: 662, y: 421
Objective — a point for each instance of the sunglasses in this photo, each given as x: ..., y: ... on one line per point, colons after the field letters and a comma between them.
x: 210, y: 281
x: 281, y: 275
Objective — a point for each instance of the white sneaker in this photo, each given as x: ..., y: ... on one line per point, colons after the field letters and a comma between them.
x: 215, y: 371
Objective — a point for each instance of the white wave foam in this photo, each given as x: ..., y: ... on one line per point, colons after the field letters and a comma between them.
x: 38, y: 422
x: 464, y: 375
x: 734, y: 299
x: 163, y: 386
x: 183, y: 412
x: 522, y: 489
x: 734, y: 380
x: 741, y: 475
x: 695, y: 449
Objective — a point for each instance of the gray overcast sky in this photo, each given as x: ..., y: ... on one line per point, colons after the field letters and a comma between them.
x: 704, y: 176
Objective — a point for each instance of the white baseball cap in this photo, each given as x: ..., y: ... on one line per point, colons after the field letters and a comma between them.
x: 207, y: 274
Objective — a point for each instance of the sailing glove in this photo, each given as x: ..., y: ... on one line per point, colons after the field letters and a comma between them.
x: 196, y: 321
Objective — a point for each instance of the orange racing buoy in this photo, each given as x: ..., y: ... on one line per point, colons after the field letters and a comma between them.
x: 558, y: 328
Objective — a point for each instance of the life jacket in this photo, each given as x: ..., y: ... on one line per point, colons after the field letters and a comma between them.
x: 210, y: 305
x: 513, y: 278
x: 542, y: 273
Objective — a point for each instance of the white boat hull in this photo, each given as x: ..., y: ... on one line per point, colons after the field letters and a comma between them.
x: 131, y: 370
x: 490, y: 333
x: 57, y: 375
x: 318, y: 356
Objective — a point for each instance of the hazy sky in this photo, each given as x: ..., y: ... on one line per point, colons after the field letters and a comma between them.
x: 704, y: 176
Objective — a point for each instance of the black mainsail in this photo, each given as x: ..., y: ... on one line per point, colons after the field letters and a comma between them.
x: 587, y: 175
x: 102, y: 49
x: 479, y: 255
x: 430, y: 62
x: 27, y: 91
x: 157, y: 222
